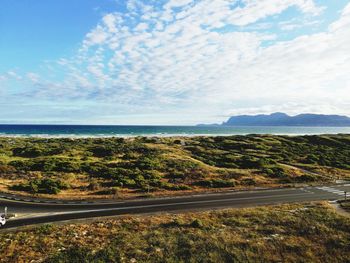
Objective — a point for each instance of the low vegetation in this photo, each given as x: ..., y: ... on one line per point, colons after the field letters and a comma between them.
x: 105, y: 167
x: 345, y: 204
x: 310, y: 232
x: 44, y: 186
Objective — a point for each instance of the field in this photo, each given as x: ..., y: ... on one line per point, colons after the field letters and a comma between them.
x: 123, y: 168
x: 310, y: 232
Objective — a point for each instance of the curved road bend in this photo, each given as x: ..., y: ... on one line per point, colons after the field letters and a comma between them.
x: 79, y: 210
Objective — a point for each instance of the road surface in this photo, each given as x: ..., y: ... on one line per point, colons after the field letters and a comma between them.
x: 60, y: 210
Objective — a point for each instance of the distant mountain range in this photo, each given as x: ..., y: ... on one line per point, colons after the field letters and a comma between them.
x: 282, y: 119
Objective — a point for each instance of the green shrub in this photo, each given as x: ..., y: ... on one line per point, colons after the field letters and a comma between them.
x: 74, y: 254
x: 45, y: 229
x: 197, y: 223
x: 102, y: 151
x: 20, y: 165
x: 215, y: 183
x: 274, y: 172
x: 248, y: 181
x: 43, y: 186
x: 248, y: 162
x: 29, y: 152
x: 174, y: 187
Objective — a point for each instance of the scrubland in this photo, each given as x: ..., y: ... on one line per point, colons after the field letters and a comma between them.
x: 142, y: 167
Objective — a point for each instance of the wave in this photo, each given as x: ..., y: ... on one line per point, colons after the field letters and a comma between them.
x: 62, y: 131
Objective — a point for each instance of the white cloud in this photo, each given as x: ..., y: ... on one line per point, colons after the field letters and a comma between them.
x: 255, y: 10
x: 13, y: 75
x: 110, y: 20
x: 33, y: 77
x: 177, y: 3
x: 167, y: 60
x: 97, y: 36
x: 10, y: 75
x: 3, y: 77
x: 141, y: 27
x: 297, y: 24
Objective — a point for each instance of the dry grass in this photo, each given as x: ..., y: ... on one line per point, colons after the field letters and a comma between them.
x: 284, y: 233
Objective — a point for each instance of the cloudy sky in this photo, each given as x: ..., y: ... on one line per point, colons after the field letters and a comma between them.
x: 171, y: 61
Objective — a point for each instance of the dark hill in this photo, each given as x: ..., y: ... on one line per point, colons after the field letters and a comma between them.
x: 282, y: 119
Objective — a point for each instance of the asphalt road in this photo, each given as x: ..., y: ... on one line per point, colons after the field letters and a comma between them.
x: 78, y: 210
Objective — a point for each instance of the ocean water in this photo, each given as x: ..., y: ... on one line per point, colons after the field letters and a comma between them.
x: 130, y: 131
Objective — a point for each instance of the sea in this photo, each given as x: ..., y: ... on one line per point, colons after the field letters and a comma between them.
x: 54, y: 131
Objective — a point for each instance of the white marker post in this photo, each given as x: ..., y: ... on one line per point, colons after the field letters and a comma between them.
x: 5, y: 211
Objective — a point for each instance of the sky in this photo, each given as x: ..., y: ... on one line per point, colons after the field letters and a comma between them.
x: 179, y: 62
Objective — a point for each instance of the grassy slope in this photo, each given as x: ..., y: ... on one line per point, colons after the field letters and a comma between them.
x: 284, y: 233
x: 122, y: 168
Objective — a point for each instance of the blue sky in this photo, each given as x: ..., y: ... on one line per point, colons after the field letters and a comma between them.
x: 171, y: 61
